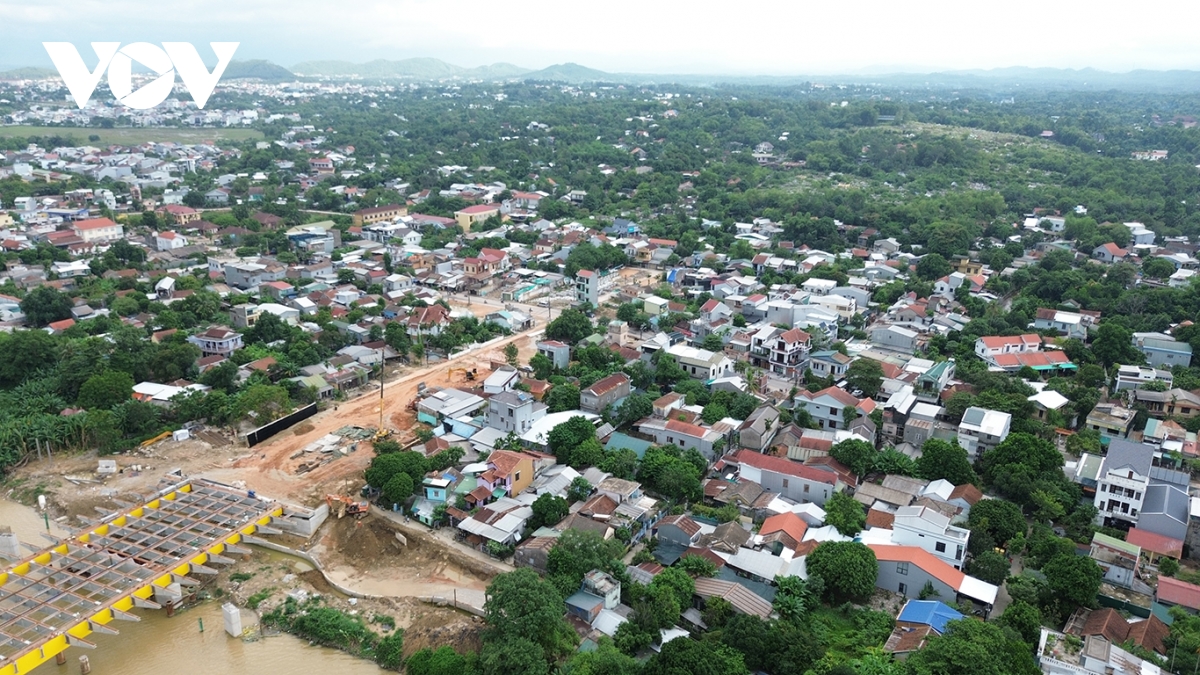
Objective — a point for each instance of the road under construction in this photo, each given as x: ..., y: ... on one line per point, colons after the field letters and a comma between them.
x: 140, y: 557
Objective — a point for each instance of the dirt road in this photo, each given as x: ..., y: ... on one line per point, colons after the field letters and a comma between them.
x: 270, y: 468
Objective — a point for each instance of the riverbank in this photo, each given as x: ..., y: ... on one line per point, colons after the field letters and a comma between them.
x: 361, y: 570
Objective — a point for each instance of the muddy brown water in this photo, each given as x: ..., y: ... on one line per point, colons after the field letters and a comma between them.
x: 158, y: 644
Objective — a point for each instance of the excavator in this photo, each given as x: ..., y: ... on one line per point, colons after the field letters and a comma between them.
x: 347, y: 506
x: 468, y: 374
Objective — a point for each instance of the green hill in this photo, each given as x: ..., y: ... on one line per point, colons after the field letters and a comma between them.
x: 263, y: 70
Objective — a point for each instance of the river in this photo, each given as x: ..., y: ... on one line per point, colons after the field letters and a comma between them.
x: 158, y: 644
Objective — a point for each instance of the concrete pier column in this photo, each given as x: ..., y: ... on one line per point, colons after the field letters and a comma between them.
x: 61, y: 658
x: 85, y: 666
x: 233, y: 619
x: 10, y: 544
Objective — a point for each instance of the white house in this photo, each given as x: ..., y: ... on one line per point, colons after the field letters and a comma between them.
x: 701, y: 364
x: 168, y: 240
x: 981, y: 429
x: 931, y: 530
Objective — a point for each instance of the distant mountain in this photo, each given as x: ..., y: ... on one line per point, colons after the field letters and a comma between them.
x: 416, y: 68
x: 263, y: 70
x: 574, y: 73
x: 27, y: 73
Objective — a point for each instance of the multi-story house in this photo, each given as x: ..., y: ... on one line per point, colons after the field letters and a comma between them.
x: 378, y: 214
x: 604, y: 392
x: 217, y: 341
x: 1163, y: 351
x: 510, y: 471
x: 591, y: 284
x: 558, y: 353
x: 514, y: 412
x: 98, y: 230
x: 931, y: 530
x: 759, y: 428
x: 1122, y: 481
x: 1136, y: 377
x: 982, y: 429
x: 1111, y: 420
x: 826, y: 406
x: 788, y: 353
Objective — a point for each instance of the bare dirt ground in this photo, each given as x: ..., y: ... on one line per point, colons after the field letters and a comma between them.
x: 424, y: 625
x: 367, y: 557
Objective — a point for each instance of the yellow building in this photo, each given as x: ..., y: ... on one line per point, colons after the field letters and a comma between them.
x: 478, y: 213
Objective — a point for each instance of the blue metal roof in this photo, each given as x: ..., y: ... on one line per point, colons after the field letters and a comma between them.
x: 929, y: 612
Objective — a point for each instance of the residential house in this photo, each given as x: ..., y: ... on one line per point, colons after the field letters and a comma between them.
x: 217, y: 341
x: 510, y: 472
x: 894, y: 337
x: 701, y: 364
x: 829, y: 363
x: 931, y: 530
x: 785, y: 477
x: 680, y: 530
x: 98, y: 230
x: 501, y: 380
x: 1109, y: 253
x: 759, y: 429
x: 1111, y: 420
x: 590, y: 285
x: 682, y: 434
x: 168, y: 241
x: 989, y: 347
x: 378, y: 214
x: 514, y: 412
x: 1136, y: 377
x: 982, y: 429
x: 1118, y: 560
x: 558, y: 353
x: 1163, y: 351
x: 1069, y: 324
x: 917, y: 621
x: 604, y: 392
x: 907, y: 570
x: 476, y: 214
x: 827, y: 406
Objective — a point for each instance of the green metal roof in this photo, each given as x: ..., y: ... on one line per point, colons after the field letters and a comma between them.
x: 1113, y: 542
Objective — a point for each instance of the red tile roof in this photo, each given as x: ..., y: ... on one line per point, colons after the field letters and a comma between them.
x: 1155, y: 543
x: 1178, y: 592
x: 1150, y: 634
x: 602, y: 387
x: 93, y: 224
x: 784, y: 466
x: 689, y: 526
x: 788, y: 523
x: 479, y: 208
x: 928, y: 562
x: 880, y: 518
x: 685, y: 428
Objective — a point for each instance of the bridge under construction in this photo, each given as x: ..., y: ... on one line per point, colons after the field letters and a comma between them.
x: 141, y: 557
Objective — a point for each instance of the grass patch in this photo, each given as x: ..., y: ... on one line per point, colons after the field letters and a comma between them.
x: 385, y: 621
x: 330, y: 627
x: 241, y: 576
x: 848, y: 632
x: 257, y: 599
x: 133, y: 136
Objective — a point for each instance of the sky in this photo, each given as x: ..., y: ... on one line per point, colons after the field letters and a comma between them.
x: 751, y: 37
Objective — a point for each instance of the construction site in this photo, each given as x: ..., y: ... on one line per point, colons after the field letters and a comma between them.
x: 360, y: 559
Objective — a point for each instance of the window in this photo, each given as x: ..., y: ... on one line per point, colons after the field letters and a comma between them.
x: 940, y: 547
x: 785, y: 483
x: 806, y: 488
x: 510, y: 412
x: 517, y: 477
x: 902, y: 568
x: 903, y: 589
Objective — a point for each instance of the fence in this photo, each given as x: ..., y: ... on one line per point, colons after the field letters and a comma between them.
x: 268, y: 430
